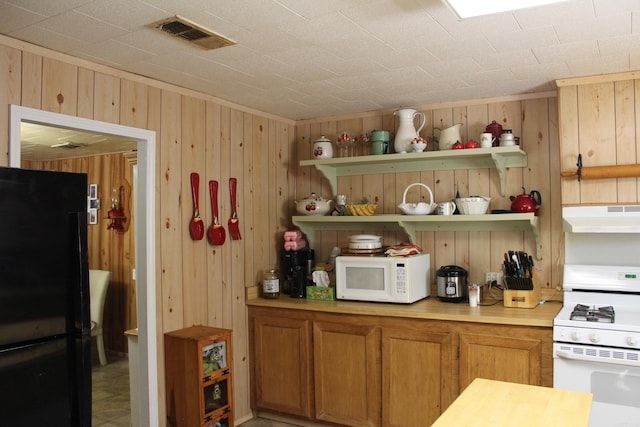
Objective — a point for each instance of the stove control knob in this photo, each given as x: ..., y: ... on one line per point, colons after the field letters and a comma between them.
x: 594, y: 338
x: 632, y: 341
x: 575, y: 335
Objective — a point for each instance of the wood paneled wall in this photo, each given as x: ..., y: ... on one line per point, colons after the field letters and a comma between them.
x: 196, y: 282
x: 600, y: 119
x: 533, y: 118
x: 108, y: 250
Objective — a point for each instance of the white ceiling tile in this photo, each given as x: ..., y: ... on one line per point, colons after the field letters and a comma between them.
x: 524, y: 39
x: 81, y: 27
x: 48, y: 8
x: 611, y: 25
x: 556, y: 14
x: 597, y: 65
x: 129, y: 14
x: 14, y: 18
x: 115, y: 52
x: 304, y: 58
x: 44, y: 37
x: 570, y: 51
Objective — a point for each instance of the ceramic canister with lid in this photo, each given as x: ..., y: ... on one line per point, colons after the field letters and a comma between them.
x: 322, y: 148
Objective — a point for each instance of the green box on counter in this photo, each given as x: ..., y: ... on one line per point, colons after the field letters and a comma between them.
x: 322, y: 293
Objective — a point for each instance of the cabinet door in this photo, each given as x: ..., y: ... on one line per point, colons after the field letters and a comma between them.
x: 500, y: 358
x: 347, y: 373
x: 282, y: 365
x: 416, y: 373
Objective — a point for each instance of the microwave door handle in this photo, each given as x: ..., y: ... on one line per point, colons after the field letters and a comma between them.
x: 569, y: 356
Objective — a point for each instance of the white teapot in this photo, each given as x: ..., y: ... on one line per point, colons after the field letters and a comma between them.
x: 313, y: 205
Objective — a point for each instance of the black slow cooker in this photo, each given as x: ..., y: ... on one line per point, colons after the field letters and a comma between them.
x: 451, y: 282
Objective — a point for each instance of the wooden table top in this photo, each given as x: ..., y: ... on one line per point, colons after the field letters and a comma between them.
x: 489, y: 403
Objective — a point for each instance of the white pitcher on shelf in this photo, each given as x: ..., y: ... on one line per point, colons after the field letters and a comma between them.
x: 406, y: 131
x: 450, y: 136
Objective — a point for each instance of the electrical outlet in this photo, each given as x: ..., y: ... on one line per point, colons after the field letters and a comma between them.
x: 492, y: 276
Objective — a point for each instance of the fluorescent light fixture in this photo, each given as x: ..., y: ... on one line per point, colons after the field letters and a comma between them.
x: 470, y: 8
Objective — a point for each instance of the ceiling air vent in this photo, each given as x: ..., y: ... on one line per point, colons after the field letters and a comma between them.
x: 68, y: 145
x: 194, y: 33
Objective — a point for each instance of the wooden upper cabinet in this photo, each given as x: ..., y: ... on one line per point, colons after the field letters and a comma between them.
x: 282, y: 374
x: 347, y: 373
x: 416, y: 372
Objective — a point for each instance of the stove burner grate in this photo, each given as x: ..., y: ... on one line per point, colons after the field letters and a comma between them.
x: 587, y: 313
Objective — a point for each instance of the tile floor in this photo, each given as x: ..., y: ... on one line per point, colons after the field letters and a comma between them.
x: 111, y: 404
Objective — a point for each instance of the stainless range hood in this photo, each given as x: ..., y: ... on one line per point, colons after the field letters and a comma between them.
x: 601, y: 219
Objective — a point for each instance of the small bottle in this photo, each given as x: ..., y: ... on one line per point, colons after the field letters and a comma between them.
x: 270, y: 284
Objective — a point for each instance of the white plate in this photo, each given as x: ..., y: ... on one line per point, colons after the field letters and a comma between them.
x: 365, y: 238
x: 365, y: 245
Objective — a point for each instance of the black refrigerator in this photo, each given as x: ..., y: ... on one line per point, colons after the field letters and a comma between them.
x: 45, y: 336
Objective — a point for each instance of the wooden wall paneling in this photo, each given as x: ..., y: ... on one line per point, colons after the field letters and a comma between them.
x: 625, y: 124
x: 637, y: 122
x: 86, y: 94
x: 507, y: 113
x: 215, y: 257
x: 174, y: 227
x: 107, y: 98
x: 31, y: 80
x: 443, y: 185
x: 462, y: 238
x: 59, y: 87
x: 154, y: 123
x: 235, y: 313
x: 10, y: 78
x: 321, y: 186
x: 134, y: 104
x: 480, y: 255
x: 131, y: 313
x: 569, y: 133
x: 596, y: 115
x: 259, y: 170
x: 554, y: 251
x: 281, y: 134
x: 228, y: 253
x: 194, y: 267
x: 535, y: 142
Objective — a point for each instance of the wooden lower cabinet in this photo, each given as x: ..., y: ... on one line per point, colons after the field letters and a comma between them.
x: 416, y: 370
x: 347, y: 373
x: 361, y: 370
x: 514, y: 354
x: 282, y: 365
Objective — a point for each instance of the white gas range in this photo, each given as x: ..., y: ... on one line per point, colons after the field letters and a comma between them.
x: 597, y: 332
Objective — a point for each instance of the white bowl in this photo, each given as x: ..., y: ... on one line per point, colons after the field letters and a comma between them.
x: 475, y: 205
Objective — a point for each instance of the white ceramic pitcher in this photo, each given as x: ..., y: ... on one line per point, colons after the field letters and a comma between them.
x: 449, y: 136
x: 406, y: 131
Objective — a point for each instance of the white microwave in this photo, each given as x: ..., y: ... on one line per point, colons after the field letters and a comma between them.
x: 383, y: 279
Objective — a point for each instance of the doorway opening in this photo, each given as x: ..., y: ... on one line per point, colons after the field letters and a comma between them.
x: 144, y: 193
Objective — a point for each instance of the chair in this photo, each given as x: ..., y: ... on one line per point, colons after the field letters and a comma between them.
x: 98, y: 285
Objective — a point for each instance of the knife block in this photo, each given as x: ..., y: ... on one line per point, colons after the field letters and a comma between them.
x: 517, y: 298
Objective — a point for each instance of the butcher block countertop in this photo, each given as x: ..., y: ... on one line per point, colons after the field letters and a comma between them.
x: 430, y: 308
x: 488, y: 403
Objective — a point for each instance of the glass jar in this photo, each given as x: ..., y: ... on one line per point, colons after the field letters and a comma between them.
x: 270, y: 284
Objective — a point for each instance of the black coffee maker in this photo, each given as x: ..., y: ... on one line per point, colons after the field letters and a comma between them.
x: 298, y: 266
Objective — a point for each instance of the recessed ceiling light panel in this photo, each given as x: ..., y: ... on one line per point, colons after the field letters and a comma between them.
x: 471, y: 8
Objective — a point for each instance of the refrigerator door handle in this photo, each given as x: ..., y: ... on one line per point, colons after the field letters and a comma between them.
x: 80, y: 272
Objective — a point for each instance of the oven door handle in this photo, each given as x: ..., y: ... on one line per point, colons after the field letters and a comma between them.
x: 569, y: 356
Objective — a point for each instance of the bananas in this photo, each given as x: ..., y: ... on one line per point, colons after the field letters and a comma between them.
x: 361, y: 210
